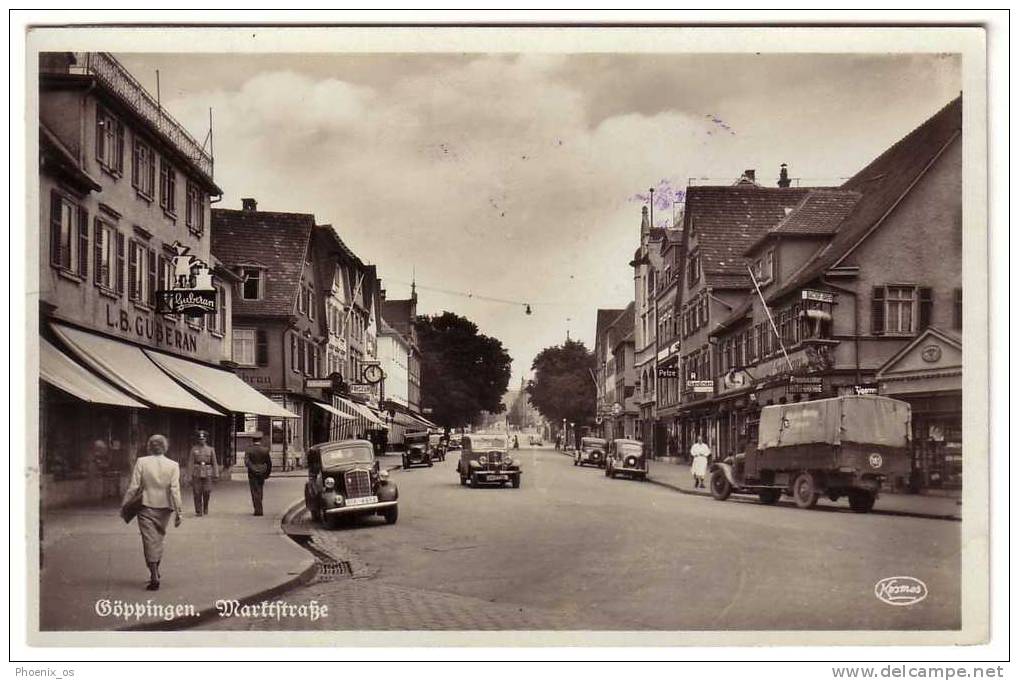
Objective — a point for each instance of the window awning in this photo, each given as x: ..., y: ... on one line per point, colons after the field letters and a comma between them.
x: 364, y: 411
x: 333, y: 410
x: 128, y: 368
x: 423, y: 420
x: 61, y: 371
x: 220, y: 386
x: 405, y: 420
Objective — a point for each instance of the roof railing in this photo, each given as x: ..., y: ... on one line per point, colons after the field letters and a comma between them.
x: 111, y: 73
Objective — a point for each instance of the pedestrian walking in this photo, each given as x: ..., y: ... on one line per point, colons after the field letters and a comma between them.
x: 155, y: 483
x: 259, y: 464
x: 203, y: 468
x: 700, y: 453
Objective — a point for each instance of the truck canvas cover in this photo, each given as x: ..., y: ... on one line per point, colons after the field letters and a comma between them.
x: 854, y: 418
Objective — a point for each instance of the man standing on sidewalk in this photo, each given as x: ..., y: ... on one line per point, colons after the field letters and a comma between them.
x: 259, y: 464
x: 699, y: 468
x: 203, y: 468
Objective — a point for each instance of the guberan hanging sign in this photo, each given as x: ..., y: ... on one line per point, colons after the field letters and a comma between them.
x: 192, y: 293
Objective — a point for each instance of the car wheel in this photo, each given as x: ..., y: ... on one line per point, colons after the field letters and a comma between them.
x: 769, y: 496
x: 720, y: 487
x: 391, y: 514
x: 516, y: 482
x: 861, y: 501
x: 805, y: 491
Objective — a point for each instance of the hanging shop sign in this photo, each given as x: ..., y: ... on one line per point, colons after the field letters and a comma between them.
x: 191, y: 293
x: 701, y: 386
x: 318, y: 383
x: 805, y: 384
x: 668, y: 372
x: 817, y: 296
x: 365, y: 389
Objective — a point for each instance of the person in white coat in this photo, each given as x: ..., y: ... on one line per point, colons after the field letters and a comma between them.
x: 158, y: 478
x: 700, y: 453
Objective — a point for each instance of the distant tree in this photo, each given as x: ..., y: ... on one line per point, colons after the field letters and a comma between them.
x: 562, y: 387
x: 463, y: 372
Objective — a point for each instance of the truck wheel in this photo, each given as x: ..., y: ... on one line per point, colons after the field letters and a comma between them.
x: 861, y: 501
x: 805, y: 491
x: 391, y: 514
x: 769, y: 496
x: 720, y: 487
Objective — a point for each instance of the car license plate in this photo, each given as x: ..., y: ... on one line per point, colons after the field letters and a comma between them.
x: 498, y: 477
x: 361, y: 501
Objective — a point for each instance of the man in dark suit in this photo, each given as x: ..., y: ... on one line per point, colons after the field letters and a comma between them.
x: 259, y: 464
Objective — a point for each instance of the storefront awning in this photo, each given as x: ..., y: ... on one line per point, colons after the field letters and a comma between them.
x: 220, y: 386
x: 406, y: 421
x: 422, y: 419
x: 334, y: 411
x: 128, y: 368
x: 364, y: 411
x: 61, y: 371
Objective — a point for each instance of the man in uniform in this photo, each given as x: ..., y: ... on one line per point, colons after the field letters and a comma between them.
x: 203, y: 467
x: 259, y: 464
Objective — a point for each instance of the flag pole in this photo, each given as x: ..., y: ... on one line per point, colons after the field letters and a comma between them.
x: 774, y: 328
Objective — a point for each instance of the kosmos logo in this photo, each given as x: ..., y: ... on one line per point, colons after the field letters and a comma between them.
x: 900, y: 590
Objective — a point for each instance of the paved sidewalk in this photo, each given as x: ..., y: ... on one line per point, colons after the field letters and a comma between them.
x: 677, y: 476
x: 91, y: 558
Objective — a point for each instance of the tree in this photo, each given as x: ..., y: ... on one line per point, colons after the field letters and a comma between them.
x: 562, y: 387
x: 463, y: 372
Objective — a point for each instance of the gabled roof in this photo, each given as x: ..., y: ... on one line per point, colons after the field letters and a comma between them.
x: 882, y: 184
x: 621, y: 326
x: 278, y: 240
x: 819, y: 214
x: 738, y: 315
x: 725, y: 220
x: 399, y: 314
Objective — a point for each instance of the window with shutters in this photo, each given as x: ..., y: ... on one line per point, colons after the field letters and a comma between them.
x: 900, y: 310
x: 167, y: 188
x: 165, y: 276
x: 143, y: 169
x: 216, y: 321
x: 244, y: 346
x: 109, y: 142
x: 68, y: 236
x: 104, y: 244
x: 141, y: 274
x: 293, y: 355
x: 195, y: 209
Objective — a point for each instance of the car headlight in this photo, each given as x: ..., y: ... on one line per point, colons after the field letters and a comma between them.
x: 339, y: 499
x: 631, y: 462
x: 329, y: 483
x: 508, y: 461
x: 483, y: 459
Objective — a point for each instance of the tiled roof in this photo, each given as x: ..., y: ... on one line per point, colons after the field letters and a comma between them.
x: 819, y: 214
x: 278, y: 241
x: 882, y: 184
x: 399, y: 314
x: 738, y: 315
x: 621, y: 326
x: 725, y: 220
x: 604, y: 319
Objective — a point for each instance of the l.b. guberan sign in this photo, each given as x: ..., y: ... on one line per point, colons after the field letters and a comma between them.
x: 192, y: 292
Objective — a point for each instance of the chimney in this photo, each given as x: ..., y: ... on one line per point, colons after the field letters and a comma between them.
x: 750, y: 174
x: 249, y: 205
x: 783, y: 177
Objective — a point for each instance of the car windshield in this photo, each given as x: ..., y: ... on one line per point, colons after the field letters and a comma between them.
x: 483, y: 443
x: 628, y: 448
x: 343, y: 455
x: 434, y: 439
x: 592, y: 444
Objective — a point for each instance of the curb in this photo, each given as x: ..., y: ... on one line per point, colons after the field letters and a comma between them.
x: 878, y: 511
x: 304, y: 576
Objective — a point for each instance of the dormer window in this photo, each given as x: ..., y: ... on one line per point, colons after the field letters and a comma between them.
x: 253, y: 284
x: 764, y: 267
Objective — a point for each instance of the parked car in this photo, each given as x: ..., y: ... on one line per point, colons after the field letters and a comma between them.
x: 485, y: 460
x: 626, y: 457
x: 344, y: 479
x: 591, y: 452
x: 842, y: 446
x: 436, y: 446
x: 535, y: 441
x: 417, y: 452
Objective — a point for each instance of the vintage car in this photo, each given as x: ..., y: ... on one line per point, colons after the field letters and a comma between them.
x: 344, y: 479
x: 437, y: 446
x: 591, y: 452
x: 484, y: 460
x: 842, y: 446
x: 454, y: 443
x: 418, y: 453
x: 626, y: 457
x: 534, y: 440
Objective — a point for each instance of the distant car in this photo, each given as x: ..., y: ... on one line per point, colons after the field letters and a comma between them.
x: 591, y: 452
x: 417, y: 453
x: 484, y: 460
x: 344, y: 479
x: 436, y: 446
x: 626, y: 457
x: 535, y: 441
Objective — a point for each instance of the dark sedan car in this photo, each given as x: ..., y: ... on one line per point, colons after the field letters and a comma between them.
x: 484, y: 460
x: 591, y: 452
x: 626, y: 457
x: 418, y: 452
x: 344, y: 479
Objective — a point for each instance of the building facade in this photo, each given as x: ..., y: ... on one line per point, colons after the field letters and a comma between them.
x: 646, y: 265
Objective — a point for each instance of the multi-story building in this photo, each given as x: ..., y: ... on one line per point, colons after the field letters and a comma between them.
x: 124, y: 205
x: 863, y: 293
x: 667, y: 330
x: 622, y: 375
x: 646, y: 265
x: 604, y: 385
x: 400, y: 315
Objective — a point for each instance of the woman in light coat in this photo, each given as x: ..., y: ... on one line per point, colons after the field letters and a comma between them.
x: 158, y: 478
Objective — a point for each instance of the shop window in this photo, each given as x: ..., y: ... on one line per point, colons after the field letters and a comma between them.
x: 109, y: 142
x: 68, y: 235
x: 143, y: 169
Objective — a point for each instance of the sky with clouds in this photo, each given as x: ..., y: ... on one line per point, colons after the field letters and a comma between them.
x: 519, y: 177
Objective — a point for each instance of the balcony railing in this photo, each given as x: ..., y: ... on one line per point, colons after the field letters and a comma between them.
x: 106, y: 69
